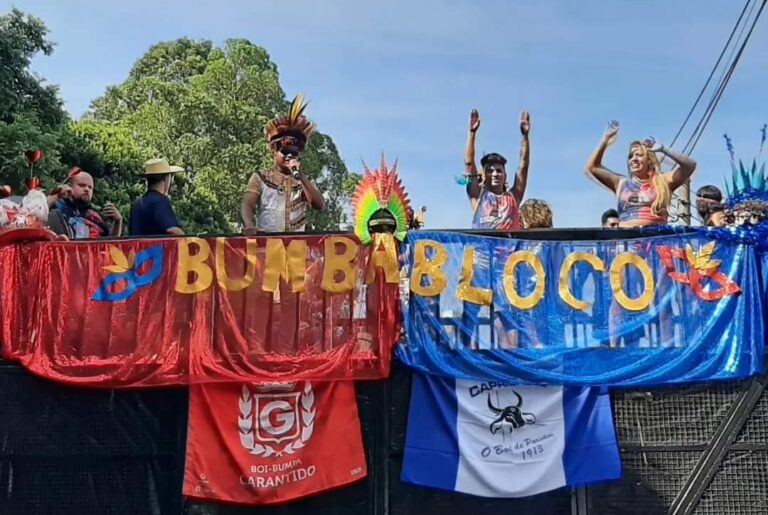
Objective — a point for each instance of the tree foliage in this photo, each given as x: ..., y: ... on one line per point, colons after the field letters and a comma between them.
x: 205, y: 108
x: 23, y: 93
x: 31, y: 115
x: 200, y: 106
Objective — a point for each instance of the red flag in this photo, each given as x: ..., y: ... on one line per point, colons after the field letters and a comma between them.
x: 272, y: 443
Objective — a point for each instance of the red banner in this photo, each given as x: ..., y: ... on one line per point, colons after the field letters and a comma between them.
x: 179, y: 311
x: 272, y: 443
x: 12, y: 289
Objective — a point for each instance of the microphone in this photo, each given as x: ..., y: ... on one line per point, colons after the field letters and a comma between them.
x: 292, y: 160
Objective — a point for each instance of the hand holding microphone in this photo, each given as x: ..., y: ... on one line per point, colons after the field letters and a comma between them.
x: 295, y: 166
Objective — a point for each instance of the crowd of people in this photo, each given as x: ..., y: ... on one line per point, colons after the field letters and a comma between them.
x: 274, y: 200
x: 72, y: 215
x: 277, y: 199
x: 643, y: 196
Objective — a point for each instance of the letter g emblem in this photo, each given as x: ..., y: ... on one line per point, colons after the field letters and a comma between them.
x: 284, y: 418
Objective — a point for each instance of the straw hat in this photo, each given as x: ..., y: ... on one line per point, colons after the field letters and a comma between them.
x: 160, y: 167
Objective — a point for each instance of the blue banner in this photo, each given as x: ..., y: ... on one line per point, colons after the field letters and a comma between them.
x: 652, y: 311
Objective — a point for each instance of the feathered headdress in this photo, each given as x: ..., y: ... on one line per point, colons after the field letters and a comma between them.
x: 747, y: 190
x: 292, y: 130
x: 380, y: 204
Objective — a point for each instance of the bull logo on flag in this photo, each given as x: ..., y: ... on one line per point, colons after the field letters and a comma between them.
x: 274, y: 414
x: 512, y: 416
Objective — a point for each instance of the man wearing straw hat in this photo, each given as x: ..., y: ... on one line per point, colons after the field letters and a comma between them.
x: 152, y: 213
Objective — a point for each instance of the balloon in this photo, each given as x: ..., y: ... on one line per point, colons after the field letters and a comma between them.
x: 33, y: 156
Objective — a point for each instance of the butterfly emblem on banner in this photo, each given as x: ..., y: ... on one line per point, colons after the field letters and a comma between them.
x: 124, y: 277
x: 700, y: 266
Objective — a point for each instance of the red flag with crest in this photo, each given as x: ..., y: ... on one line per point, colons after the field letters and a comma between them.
x: 271, y: 443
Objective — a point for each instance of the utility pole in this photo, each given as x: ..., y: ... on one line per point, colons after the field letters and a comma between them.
x: 684, y: 211
x: 685, y: 201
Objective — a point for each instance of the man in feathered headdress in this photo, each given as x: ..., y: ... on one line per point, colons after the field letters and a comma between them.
x: 281, y: 194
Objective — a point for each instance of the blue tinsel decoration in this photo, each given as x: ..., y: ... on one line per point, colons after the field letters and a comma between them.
x: 746, y: 183
x: 756, y: 235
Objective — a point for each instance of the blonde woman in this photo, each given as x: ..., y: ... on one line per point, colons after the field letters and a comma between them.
x: 643, y: 200
x: 644, y: 196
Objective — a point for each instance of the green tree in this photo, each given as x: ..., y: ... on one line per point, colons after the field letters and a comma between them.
x: 110, y: 154
x: 23, y: 134
x: 21, y: 38
x: 31, y: 114
x: 205, y: 108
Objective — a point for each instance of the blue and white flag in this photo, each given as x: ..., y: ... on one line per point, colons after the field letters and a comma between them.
x: 494, y: 440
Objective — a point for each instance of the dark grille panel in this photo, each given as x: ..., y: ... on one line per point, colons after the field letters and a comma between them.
x: 685, y: 417
x: 740, y: 486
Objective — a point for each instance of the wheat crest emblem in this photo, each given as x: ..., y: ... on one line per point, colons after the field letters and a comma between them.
x: 247, y: 430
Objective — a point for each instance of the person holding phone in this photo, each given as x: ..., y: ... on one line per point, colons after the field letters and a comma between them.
x: 73, y: 214
x: 276, y: 200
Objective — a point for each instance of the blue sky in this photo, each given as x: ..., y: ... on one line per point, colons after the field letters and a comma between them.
x: 402, y: 76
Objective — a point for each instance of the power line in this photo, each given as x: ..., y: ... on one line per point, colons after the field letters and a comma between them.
x: 711, y: 74
x: 738, y: 38
x: 694, y: 139
x: 714, y: 101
